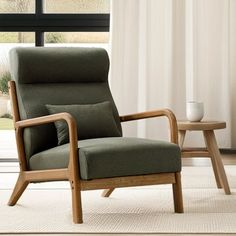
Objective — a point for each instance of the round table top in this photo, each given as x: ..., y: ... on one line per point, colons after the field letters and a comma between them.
x: 202, y: 125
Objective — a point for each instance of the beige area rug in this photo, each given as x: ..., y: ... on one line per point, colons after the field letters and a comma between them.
x: 131, y: 210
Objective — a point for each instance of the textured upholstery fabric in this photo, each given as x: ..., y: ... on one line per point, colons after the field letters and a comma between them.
x: 57, y: 76
x: 63, y: 76
x: 57, y: 65
x: 113, y: 157
x: 93, y: 121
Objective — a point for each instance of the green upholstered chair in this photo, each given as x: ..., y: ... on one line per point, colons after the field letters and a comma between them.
x: 68, y: 128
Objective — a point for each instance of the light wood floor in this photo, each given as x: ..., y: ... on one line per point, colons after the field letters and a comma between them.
x: 229, y: 159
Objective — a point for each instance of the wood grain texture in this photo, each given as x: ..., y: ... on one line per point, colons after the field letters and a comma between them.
x: 215, y: 154
x: 18, y: 133
x: 177, y: 194
x: 18, y: 190
x: 45, y: 175
x: 203, y: 125
x: 211, y: 150
x: 214, y: 164
x: 182, y: 134
x: 107, y: 192
x: 14, y: 102
x: 129, y: 181
x: 194, y: 152
x: 74, y: 177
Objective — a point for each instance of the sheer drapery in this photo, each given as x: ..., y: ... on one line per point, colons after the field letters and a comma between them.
x: 167, y: 52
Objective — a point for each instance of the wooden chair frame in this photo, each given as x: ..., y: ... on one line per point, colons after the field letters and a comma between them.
x: 71, y: 173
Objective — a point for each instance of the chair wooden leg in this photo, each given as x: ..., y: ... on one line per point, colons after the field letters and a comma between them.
x: 107, y: 192
x: 19, y: 188
x: 76, y: 203
x: 177, y: 194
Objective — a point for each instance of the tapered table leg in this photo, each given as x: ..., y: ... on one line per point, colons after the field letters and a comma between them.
x: 216, y: 159
x: 213, y: 162
x: 107, y: 192
x: 182, y: 134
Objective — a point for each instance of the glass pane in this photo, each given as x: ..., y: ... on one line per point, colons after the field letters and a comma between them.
x: 8, y: 40
x: 77, y: 6
x: 16, y: 37
x: 17, y: 6
x: 76, y: 37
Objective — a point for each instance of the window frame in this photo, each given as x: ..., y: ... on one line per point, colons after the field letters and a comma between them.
x: 40, y: 22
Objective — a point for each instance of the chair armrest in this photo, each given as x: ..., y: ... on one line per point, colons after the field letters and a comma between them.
x: 46, y: 119
x: 73, y: 136
x: 156, y: 113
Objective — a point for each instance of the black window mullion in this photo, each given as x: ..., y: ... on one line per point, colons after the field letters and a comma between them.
x: 45, y: 22
x: 39, y: 35
x: 39, y: 7
x: 39, y: 38
x: 41, y: 22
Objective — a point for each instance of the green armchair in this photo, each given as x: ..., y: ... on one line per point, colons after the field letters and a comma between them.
x: 68, y: 128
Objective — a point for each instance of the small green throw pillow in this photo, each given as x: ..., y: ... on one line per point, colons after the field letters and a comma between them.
x: 93, y: 121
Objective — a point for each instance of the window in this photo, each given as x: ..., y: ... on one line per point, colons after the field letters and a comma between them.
x: 17, y: 6
x: 77, y: 6
x: 45, y: 23
x: 9, y: 40
x: 41, y: 21
x: 73, y: 39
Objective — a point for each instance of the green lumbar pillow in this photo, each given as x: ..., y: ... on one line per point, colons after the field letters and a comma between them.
x: 93, y: 121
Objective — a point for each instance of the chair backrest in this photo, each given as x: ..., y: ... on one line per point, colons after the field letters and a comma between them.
x: 57, y: 76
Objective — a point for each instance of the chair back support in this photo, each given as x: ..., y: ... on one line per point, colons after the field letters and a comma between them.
x: 57, y: 76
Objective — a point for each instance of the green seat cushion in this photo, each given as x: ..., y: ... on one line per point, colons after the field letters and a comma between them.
x: 113, y: 157
x: 93, y: 121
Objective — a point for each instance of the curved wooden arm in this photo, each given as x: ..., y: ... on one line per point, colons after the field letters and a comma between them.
x: 47, y: 119
x: 73, y: 136
x: 157, y: 113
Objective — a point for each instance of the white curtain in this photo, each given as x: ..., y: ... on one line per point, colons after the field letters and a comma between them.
x: 167, y: 52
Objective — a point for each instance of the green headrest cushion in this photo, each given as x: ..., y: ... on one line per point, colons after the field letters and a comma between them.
x: 59, y: 65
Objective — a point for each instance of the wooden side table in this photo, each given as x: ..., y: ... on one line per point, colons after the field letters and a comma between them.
x: 211, y: 150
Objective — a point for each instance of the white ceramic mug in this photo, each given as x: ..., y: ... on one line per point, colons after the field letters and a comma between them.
x: 195, y: 111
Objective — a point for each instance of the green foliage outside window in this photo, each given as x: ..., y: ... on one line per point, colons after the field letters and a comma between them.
x: 4, y: 78
x: 54, y: 38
